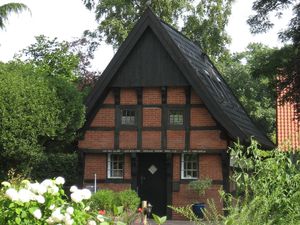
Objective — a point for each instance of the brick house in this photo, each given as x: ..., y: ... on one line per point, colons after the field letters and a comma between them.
x: 160, y: 116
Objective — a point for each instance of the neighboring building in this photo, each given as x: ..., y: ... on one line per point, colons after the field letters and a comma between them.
x: 160, y: 116
x: 288, y: 132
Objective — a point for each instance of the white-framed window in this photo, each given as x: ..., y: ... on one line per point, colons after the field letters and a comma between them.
x: 189, y: 166
x: 115, y: 165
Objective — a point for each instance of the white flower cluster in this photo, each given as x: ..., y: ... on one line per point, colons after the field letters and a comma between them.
x: 33, y: 191
x: 79, y: 194
x: 58, y: 217
x: 39, y: 191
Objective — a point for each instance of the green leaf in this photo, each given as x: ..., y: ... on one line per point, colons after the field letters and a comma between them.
x: 18, y: 220
x: 118, y: 210
x: 159, y: 220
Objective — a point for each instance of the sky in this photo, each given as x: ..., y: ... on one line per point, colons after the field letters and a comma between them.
x: 67, y: 19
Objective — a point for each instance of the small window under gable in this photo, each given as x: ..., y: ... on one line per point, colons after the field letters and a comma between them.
x: 189, y: 166
x: 115, y: 165
x: 128, y: 117
x: 176, y: 117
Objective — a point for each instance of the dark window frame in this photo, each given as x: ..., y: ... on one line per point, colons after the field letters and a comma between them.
x: 178, y: 109
x: 128, y: 108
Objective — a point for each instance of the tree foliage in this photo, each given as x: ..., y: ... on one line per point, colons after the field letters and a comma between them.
x: 206, y: 26
x: 70, y: 61
x: 29, y: 113
x: 204, y: 23
x: 7, y: 9
x: 255, y: 92
x: 38, y: 113
x: 289, y: 66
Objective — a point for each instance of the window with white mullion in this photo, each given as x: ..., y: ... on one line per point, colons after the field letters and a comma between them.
x: 115, y: 165
x: 189, y: 166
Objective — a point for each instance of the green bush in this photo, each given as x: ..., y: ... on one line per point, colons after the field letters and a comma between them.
x: 129, y: 199
x: 103, y: 200
x: 57, y: 164
x: 107, y: 199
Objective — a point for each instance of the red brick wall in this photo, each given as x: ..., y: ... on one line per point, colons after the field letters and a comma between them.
x: 151, y: 117
x: 188, y: 197
x: 207, y: 139
x: 114, y: 187
x: 128, y: 139
x: 176, y: 95
x: 151, y: 140
x: 128, y: 96
x: 97, y: 140
x: 109, y: 99
x: 201, y: 117
x: 210, y: 166
x: 151, y: 96
x: 95, y: 163
x: 195, y: 99
x: 176, y: 139
x: 104, y: 118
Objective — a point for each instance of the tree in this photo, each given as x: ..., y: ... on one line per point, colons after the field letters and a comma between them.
x: 70, y: 61
x: 7, y: 9
x: 289, y: 67
x: 207, y: 19
x: 29, y: 115
x: 206, y: 26
x: 257, y: 92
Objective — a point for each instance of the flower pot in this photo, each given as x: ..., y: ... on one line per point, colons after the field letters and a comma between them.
x: 198, y: 209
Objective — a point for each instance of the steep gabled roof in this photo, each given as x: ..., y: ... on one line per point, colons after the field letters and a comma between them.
x: 198, y: 71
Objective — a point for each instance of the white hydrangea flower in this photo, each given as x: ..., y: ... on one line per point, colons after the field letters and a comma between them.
x: 25, y: 195
x: 47, y: 183
x: 68, y: 220
x: 6, y: 184
x: 87, y: 208
x: 53, y: 189
x: 37, y: 214
x: 57, y: 216
x: 73, y: 189
x: 86, y: 193
x: 91, y: 222
x: 12, y: 194
x: 50, y: 220
x: 52, y: 207
x: 70, y: 210
x: 76, y: 197
x: 59, y: 180
x: 40, y: 199
x: 34, y: 187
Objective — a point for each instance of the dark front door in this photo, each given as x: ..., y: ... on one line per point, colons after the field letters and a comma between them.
x: 152, y: 181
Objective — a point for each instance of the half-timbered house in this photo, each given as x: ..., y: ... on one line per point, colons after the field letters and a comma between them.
x: 160, y: 116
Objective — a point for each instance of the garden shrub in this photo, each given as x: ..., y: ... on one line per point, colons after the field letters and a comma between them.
x: 103, y: 200
x: 57, y: 164
x: 129, y: 199
x: 268, y: 190
x: 106, y: 200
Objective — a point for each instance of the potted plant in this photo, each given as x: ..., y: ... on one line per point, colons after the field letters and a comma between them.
x: 200, y: 186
